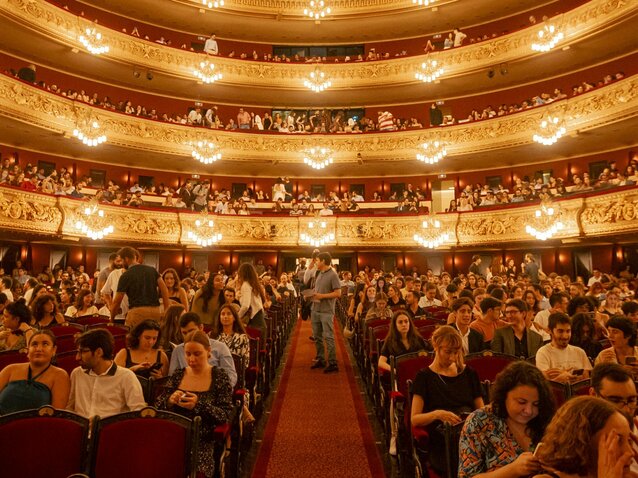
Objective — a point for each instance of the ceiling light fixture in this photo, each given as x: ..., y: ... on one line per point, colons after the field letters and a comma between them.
x: 317, y: 234
x: 545, y: 223
x: 215, y: 4
x: 93, y: 41
x: 432, y: 235
x: 204, y: 232
x: 89, y: 132
x: 423, y: 3
x: 548, y: 38
x: 205, y: 152
x: 318, y: 158
x: 317, y: 9
x: 317, y: 81
x: 205, y: 72
x: 432, y: 153
x: 93, y: 223
x: 430, y: 71
x: 550, y: 130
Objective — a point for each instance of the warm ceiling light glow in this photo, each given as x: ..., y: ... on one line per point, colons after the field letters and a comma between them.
x: 432, y: 153
x: 205, y: 72
x: 430, y: 71
x: 317, y: 234
x: 432, y: 235
x: 90, y: 133
x: 205, y: 152
x: 318, y: 158
x: 317, y: 9
x: 93, y: 41
x: 93, y: 223
x: 545, y: 223
x: 423, y: 3
x: 550, y: 130
x: 548, y: 38
x: 203, y: 234
x: 214, y: 4
x: 317, y: 81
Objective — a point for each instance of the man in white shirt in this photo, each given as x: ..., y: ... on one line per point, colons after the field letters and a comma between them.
x: 210, y: 46
x: 597, y: 277
x: 459, y: 36
x: 429, y: 299
x: 558, y: 360
x: 98, y: 386
x: 110, y: 288
x: 557, y: 303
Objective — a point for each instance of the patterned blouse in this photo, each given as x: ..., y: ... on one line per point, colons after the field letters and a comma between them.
x: 239, y: 344
x: 214, y: 406
x: 486, y: 444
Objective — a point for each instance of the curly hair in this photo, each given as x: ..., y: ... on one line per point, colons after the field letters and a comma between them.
x: 523, y: 373
x: 133, y: 337
x: 568, y: 445
x: 37, y: 307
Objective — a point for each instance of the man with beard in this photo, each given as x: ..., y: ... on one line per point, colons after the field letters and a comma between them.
x: 98, y: 386
x: 558, y: 360
x: 109, y: 288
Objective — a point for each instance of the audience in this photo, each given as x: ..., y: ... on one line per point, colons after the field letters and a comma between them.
x: 143, y: 354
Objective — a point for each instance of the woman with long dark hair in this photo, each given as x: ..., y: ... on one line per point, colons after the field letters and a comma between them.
x: 251, y: 298
x: 503, y: 435
x: 143, y: 355
x: 209, y: 299
x: 45, y: 312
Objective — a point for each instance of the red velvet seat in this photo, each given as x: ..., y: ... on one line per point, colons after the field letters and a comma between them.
x: 45, y: 442
x: 488, y: 364
x: 145, y: 444
x: 70, y: 329
x: 67, y: 361
x: 65, y: 343
x: 88, y: 320
x: 9, y: 357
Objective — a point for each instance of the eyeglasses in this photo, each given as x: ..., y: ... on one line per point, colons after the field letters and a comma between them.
x: 83, y: 350
x: 630, y: 402
x: 512, y: 311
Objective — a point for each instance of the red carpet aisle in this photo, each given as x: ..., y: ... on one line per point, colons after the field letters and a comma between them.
x: 318, y: 426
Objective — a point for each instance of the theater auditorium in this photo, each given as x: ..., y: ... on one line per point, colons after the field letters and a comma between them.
x: 318, y: 238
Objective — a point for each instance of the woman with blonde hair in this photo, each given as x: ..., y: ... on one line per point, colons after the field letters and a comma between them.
x: 445, y: 392
x: 251, y: 298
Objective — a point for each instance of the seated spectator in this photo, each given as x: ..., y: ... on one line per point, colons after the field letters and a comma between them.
x: 143, y: 355
x: 45, y: 311
x: 170, y: 334
x: 583, y: 329
x: 623, y: 350
x: 429, y: 298
x: 516, y: 339
x: 27, y: 386
x: 203, y: 390
x: 558, y: 360
x: 444, y: 392
x: 16, y: 332
x: 99, y: 387
x: 219, y: 356
x: 83, y: 305
x: 503, y: 435
x: 380, y: 309
x: 472, y: 340
x: 586, y: 435
x: 613, y: 383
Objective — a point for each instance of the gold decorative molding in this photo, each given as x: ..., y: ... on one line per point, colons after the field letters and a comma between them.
x: 28, y: 212
x: 60, y: 25
x: 591, y: 110
x: 614, y: 212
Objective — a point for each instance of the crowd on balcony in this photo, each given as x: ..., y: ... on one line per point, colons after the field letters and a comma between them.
x: 304, y: 122
x: 198, y: 195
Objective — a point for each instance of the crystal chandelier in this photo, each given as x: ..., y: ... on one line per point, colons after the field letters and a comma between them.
x: 430, y: 71
x: 432, y: 153
x: 205, y: 152
x: 93, y: 41
x: 318, y: 158
x: 93, y: 223
x: 432, y: 236
x: 423, y: 3
x: 89, y: 132
x: 214, y: 4
x: 550, y: 130
x: 317, y: 81
x: 317, y: 9
x: 317, y: 234
x: 204, y: 233
x: 545, y: 223
x: 548, y: 37
x: 206, y: 72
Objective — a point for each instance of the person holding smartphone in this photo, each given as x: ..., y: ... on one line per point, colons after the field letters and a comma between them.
x: 623, y: 350
x: 143, y: 355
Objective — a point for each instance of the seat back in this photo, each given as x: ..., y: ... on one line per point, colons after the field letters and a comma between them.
x: 91, y: 320
x: 45, y: 442
x: 406, y: 367
x: 71, y: 329
x: 145, y: 444
x: 65, y: 343
x: 9, y: 357
x: 67, y: 361
x: 427, y: 331
x: 488, y: 364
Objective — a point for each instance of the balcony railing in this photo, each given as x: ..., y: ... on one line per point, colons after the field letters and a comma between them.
x: 594, y: 215
x: 62, y: 26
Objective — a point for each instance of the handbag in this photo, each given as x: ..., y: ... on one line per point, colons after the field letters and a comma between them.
x: 348, y: 329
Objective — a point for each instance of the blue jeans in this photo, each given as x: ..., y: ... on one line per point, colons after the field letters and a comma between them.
x: 323, y: 331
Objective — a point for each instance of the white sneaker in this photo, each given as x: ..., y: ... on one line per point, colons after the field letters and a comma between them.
x: 393, y: 446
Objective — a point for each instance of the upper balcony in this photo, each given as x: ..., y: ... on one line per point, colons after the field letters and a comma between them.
x: 603, y: 119
x: 45, y: 34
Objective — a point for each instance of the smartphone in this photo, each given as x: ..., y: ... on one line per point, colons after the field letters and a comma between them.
x: 156, y: 366
x: 538, y: 447
x: 630, y: 360
x: 580, y: 371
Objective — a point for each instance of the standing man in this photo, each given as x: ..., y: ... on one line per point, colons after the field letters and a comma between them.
x: 210, y: 46
x: 109, y: 290
x: 98, y: 386
x: 101, y: 280
x: 558, y: 360
x: 141, y: 284
x: 326, y: 292
x: 530, y: 267
x: 474, y: 267
x: 243, y: 120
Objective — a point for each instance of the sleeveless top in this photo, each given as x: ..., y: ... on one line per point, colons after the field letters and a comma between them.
x: 146, y: 373
x: 26, y: 394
